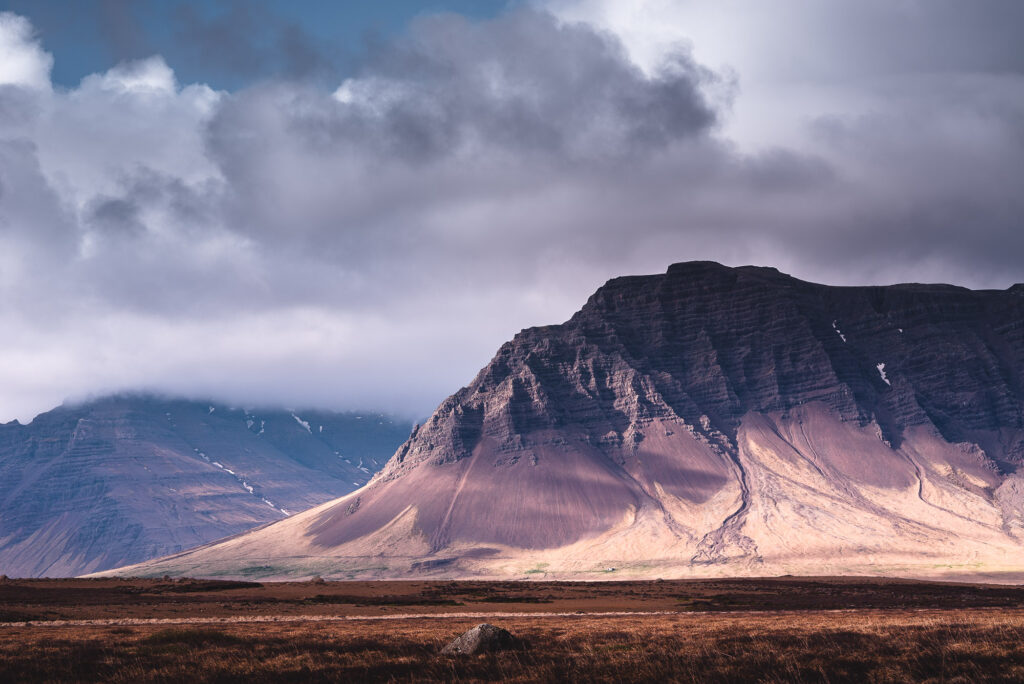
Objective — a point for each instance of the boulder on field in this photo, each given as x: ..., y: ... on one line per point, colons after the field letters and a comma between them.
x: 483, y: 638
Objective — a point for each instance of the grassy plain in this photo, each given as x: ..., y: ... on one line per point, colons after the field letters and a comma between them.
x: 773, y: 630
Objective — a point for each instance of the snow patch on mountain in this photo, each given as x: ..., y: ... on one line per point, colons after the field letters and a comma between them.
x: 881, y: 372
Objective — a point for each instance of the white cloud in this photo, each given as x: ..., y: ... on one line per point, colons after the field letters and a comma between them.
x: 150, y: 76
x: 22, y: 61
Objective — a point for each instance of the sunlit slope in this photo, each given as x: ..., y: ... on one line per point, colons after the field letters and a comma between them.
x: 708, y: 421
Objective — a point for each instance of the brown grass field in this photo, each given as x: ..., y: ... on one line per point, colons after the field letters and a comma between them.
x: 769, y: 630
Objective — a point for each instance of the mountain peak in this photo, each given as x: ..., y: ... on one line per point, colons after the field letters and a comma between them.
x: 710, y: 420
x: 118, y: 479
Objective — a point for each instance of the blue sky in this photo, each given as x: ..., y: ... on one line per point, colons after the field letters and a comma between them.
x: 239, y: 41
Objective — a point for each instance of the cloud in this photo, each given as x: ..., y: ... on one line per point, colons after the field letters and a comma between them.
x: 148, y: 76
x: 913, y: 109
x: 797, y: 59
x: 22, y: 61
x: 371, y: 243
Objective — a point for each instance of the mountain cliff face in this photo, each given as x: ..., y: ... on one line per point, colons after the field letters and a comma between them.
x: 706, y: 421
x: 124, y: 479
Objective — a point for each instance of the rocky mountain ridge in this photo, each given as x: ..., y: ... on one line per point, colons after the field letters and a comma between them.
x: 868, y: 353
x: 709, y: 420
x: 122, y: 479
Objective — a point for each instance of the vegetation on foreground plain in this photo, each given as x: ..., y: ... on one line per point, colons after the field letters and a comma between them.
x: 892, y: 631
x: 864, y: 646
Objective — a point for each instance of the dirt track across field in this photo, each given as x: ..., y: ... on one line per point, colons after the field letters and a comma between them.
x: 249, y: 619
x: 127, y: 601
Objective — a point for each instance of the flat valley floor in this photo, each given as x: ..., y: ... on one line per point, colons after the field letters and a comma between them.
x: 771, y: 630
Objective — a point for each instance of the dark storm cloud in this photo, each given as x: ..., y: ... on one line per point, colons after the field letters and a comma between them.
x: 115, y: 214
x: 525, y: 81
x: 372, y: 243
x: 937, y: 180
x: 458, y: 113
x: 911, y: 112
x: 521, y: 83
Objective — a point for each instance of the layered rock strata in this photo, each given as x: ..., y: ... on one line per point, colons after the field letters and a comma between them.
x: 709, y: 420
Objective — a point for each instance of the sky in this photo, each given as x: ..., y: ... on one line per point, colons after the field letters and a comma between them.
x: 352, y: 205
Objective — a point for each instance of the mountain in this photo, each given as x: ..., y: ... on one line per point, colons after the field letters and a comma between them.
x: 124, y: 479
x: 707, y: 421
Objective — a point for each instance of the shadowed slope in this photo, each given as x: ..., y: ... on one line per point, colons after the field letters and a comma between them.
x: 708, y: 420
x: 123, y: 479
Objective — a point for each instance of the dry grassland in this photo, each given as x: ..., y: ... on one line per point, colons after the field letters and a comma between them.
x: 865, y: 644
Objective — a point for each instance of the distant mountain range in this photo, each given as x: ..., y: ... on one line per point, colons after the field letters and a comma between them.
x: 123, y: 479
x: 707, y: 421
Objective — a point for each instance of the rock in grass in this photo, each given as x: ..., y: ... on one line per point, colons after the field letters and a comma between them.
x: 483, y: 638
